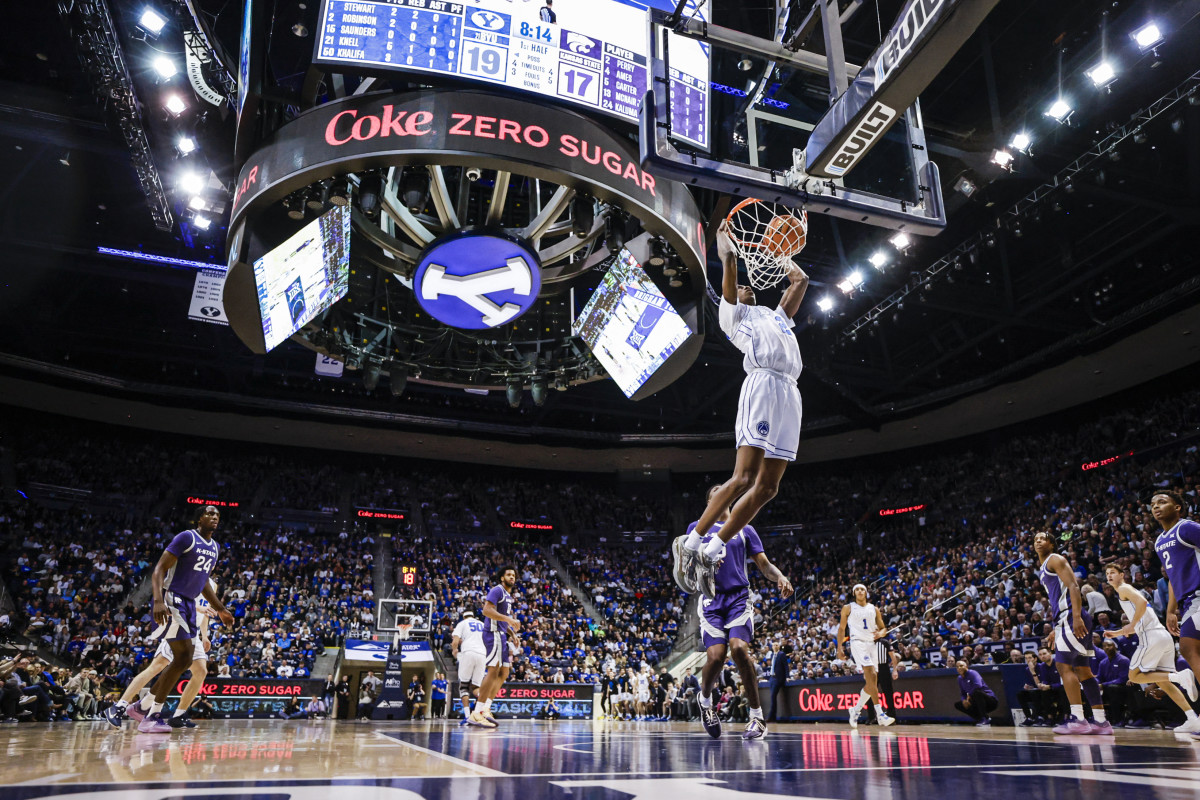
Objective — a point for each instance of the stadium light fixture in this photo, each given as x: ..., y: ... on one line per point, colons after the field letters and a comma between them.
x: 185, y: 145
x: 175, y: 104
x: 192, y: 183
x: 900, y: 241
x: 201, y: 222
x: 165, y: 67
x: 1102, y: 74
x: 197, y: 203
x: 1148, y: 36
x: 1021, y: 141
x: 878, y: 259
x: 151, y: 22
x: 1002, y: 159
x: 825, y: 303
x: 1059, y: 110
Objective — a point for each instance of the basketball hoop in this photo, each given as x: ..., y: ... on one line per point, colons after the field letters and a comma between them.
x: 403, y: 632
x: 766, y: 236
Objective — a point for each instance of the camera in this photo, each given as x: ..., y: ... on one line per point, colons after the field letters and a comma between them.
x: 474, y: 174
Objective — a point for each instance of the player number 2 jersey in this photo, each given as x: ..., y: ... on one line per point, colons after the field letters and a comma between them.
x: 1179, y: 551
x: 863, y: 622
x: 765, y: 336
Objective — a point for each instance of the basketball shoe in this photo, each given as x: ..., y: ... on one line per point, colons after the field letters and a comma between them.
x: 684, y: 570
x: 755, y: 729
x: 480, y: 721
x: 115, y: 715
x: 710, y: 721
x: 1186, y: 680
x: 184, y: 720
x: 154, y: 723
x: 134, y: 712
x: 1071, y: 725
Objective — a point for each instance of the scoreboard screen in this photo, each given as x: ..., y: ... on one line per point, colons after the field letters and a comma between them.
x: 408, y: 575
x: 594, y: 53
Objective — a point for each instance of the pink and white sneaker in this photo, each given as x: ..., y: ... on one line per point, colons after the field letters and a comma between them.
x: 154, y: 723
x: 1074, y: 726
x: 135, y: 713
x: 1101, y: 728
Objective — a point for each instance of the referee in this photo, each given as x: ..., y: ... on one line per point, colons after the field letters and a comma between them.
x: 883, y: 657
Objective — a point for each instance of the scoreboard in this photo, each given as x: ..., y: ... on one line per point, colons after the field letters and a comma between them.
x: 594, y: 54
x: 408, y: 575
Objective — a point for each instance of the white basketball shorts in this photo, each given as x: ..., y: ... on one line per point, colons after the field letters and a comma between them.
x: 1155, y: 652
x: 164, y: 650
x: 643, y: 697
x: 471, y: 668
x: 863, y: 653
x: 769, y: 414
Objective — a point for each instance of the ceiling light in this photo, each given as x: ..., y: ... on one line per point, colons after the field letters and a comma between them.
x: 65, y: 159
x: 846, y: 285
x: 1102, y: 74
x: 1060, y: 109
x: 203, y: 223
x: 878, y: 259
x: 856, y: 278
x: 175, y: 104
x: 186, y: 144
x: 1002, y: 158
x: 1147, y: 36
x: 197, y: 203
x: 192, y: 183
x: 165, y: 67
x: 151, y: 21
x: 965, y: 185
x: 900, y: 241
x: 825, y: 303
x: 1021, y: 141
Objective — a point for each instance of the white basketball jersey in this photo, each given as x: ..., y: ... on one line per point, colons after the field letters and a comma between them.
x: 1148, y: 622
x: 764, y: 335
x: 470, y: 636
x: 643, y: 682
x: 862, y: 623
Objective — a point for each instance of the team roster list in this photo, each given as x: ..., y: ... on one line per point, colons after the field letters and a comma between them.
x: 491, y: 45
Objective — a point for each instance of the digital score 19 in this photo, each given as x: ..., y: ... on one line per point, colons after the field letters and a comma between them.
x: 408, y: 575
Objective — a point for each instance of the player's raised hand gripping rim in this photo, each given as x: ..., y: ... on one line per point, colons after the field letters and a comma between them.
x: 726, y: 249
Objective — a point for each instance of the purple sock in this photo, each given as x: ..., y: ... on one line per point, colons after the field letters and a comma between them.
x: 1091, y: 690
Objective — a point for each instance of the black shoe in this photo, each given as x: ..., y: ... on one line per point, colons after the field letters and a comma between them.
x: 182, y: 721
x: 711, y: 722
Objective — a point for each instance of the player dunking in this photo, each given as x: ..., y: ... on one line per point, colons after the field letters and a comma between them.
x: 1071, y: 639
x: 1178, y: 547
x: 497, y: 607
x: 467, y: 647
x: 122, y: 709
x: 727, y: 623
x: 181, y: 574
x: 768, y: 420
x: 1154, y: 659
x: 865, y: 624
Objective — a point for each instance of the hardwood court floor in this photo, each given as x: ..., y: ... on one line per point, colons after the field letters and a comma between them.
x: 278, y: 760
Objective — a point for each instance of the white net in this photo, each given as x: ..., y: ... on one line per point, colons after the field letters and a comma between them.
x: 766, y: 236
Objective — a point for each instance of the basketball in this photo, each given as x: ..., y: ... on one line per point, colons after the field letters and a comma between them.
x: 785, y: 235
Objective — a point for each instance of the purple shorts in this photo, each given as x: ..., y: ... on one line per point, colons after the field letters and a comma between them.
x: 1069, y: 650
x: 182, y: 624
x: 1189, y: 621
x: 727, y: 616
x: 495, y: 647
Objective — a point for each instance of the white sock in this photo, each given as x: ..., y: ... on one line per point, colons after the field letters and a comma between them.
x: 179, y: 711
x: 1191, y: 715
x: 715, y: 548
x: 156, y: 708
x: 121, y: 704
x: 486, y: 705
x: 756, y: 713
x: 693, y: 541
x: 145, y: 703
x: 1098, y: 715
x: 1077, y: 711
x: 704, y: 700
x: 863, y: 697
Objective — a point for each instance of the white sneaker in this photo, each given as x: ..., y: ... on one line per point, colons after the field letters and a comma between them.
x: 854, y: 712
x: 1186, y: 680
x: 885, y: 720
x: 1191, y: 726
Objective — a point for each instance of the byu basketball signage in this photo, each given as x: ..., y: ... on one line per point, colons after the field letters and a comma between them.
x: 477, y: 280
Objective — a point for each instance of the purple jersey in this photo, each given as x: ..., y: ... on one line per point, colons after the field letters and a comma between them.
x: 502, y: 600
x: 197, y: 557
x: 1179, y: 551
x: 731, y: 575
x: 1060, y: 596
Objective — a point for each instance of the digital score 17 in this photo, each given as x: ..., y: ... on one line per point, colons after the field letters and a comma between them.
x: 408, y: 575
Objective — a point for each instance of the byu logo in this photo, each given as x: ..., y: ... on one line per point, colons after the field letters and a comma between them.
x: 210, y: 311
x: 477, y: 281
x: 764, y: 428
x: 487, y: 20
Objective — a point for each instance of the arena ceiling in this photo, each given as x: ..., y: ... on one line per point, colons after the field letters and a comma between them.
x: 1078, y: 270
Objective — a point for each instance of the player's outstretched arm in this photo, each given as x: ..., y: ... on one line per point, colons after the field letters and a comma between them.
x: 728, y: 255
x: 793, y: 295
x: 772, y: 573
x: 210, y: 595
x: 1127, y: 592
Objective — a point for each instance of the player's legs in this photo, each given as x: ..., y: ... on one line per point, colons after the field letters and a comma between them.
x: 142, y: 679
x: 1164, y: 682
x: 183, y: 651
x: 740, y: 651
x: 199, y: 671
x: 764, y: 487
x: 745, y: 471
